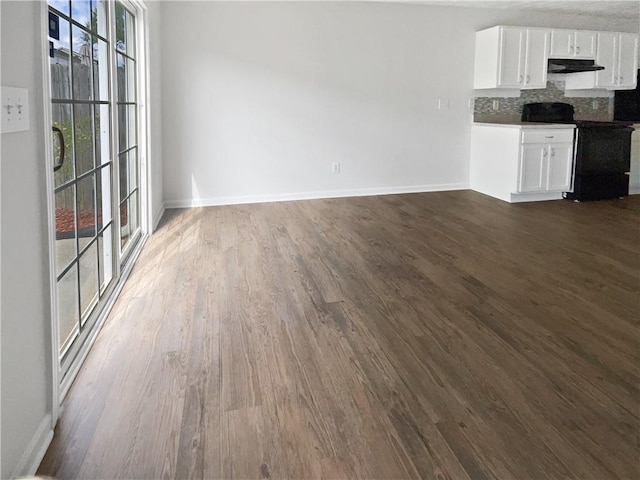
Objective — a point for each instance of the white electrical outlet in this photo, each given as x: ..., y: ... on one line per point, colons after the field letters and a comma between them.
x: 14, y: 104
x: 496, y: 104
x: 335, y: 167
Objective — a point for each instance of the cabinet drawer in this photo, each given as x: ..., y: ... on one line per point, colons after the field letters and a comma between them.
x: 564, y: 135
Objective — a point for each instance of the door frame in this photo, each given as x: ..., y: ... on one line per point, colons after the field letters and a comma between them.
x: 59, y: 385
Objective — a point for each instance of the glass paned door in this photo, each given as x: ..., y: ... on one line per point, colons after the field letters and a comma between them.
x: 93, y: 59
x: 83, y: 165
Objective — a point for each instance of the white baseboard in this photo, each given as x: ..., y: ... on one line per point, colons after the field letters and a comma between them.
x: 158, y: 217
x: 34, y: 452
x: 285, y: 197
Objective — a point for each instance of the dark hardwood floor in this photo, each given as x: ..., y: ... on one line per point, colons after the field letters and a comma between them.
x: 442, y: 335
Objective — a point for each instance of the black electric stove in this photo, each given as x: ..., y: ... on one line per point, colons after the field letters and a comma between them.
x: 602, y: 151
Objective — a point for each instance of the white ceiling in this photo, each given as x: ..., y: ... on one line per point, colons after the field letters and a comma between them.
x: 608, y: 8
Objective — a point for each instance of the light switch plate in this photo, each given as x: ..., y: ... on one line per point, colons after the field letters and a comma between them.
x: 14, y: 109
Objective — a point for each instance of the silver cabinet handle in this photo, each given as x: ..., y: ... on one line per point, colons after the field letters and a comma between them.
x: 544, y: 152
x: 553, y: 152
x: 549, y: 136
x: 578, y: 49
x: 521, y: 79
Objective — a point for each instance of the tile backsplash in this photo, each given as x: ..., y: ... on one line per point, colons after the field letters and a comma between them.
x: 510, y: 108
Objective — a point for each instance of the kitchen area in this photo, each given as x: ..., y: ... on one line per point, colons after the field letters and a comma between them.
x: 556, y: 114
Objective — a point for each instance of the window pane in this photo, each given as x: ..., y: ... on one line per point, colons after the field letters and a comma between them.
x: 121, y: 77
x: 127, y: 126
x: 122, y: 127
x: 80, y: 12
x: 68, y: 308
x: 104, y: 257
x: 99, y: 17
x: 88, y: 280
x: 133, y: 169
x: 131, y: 80
x: 101, y: 124
x: 125, y: 30
x: 126, y: 79
x: 83, y: 123
x: 124, y: 224
x: 81, y: 42
x: 100, y: 51
x: 65, y: 227
x: 61, y: 5
x: 103, y: 196
x: 61, y: 120
x: 130, y: 37
x: 131, y: 126
x: 133, y: 213
x: 86, y: 211
x: 120, y: 27
x: 123, y: 183
x: 60, y: 68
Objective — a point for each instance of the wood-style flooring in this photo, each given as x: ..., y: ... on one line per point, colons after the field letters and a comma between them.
x: 441, y: 335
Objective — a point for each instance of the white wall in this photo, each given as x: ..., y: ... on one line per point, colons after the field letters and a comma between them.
x: 25, y: 330
x: 260, y: 98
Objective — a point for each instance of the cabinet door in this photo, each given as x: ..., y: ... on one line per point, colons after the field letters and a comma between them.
x: 511, y: 65
x: 561, y: 44
x: 537, y: 47
x: 532, y: 168
x: 627, y: 61
x: 608, y: 58
x: 585, y: 44
x: 560, y: 165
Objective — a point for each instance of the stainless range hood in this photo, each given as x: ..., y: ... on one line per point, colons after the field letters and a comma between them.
x: 570, y: 65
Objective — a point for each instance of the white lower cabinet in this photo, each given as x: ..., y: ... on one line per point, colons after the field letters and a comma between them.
x: 545, y: 167
x: 519, y: 163
x: 559, y: 167
x: 532, y: 167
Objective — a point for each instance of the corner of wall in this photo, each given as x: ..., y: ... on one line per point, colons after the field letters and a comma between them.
x: 36, y: 449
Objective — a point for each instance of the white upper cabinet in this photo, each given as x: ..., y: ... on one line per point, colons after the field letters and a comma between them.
x: 627, y: 62
x: 573, y: 44
x: 536, y: 58
x: 607, y: 57
x: 511, y: 57
x: 618, y: 54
